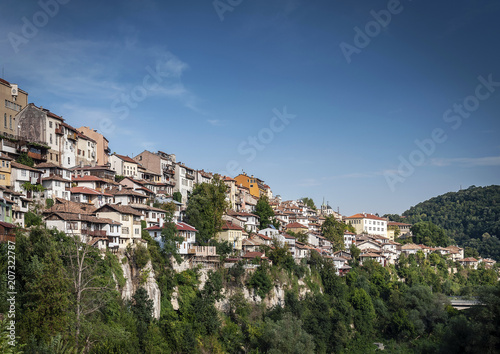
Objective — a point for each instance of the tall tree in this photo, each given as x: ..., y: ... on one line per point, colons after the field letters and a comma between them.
x: 90, y: 287
x: 429, y: 234
x: 264, y: 211
x: 309, y: 202
x: 205, y: 208
x: 333, y: 230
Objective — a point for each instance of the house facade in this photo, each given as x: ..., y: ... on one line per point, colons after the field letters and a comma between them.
x: 368, y: 224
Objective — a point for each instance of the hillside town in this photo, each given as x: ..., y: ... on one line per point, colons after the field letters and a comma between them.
x: 104, y: 198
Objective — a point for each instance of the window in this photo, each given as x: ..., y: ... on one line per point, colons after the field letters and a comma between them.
x: 125, y: 230
x: 10, y: 123
x: 7, y: 164
x: 50, y: 124
x: 5, y: 120
x: 23, y: 173
x: 50, y: 138
x: 3, y: 163
x: 125, y: 217
x: 137, y: 231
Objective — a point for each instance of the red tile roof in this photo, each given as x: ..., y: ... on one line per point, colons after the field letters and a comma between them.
x: 295, y: 225
x: 228, y: 225
x: 182, y: 226
x: 365, y: 216
x: 126, y: 159
x: 88, y: 191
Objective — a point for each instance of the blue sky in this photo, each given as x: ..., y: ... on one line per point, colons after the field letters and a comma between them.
x: 185, y: 78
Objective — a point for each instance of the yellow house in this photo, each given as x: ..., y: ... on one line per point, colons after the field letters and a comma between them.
x: 254, y: 185
x: 231, y: 233
x: 5, y: 170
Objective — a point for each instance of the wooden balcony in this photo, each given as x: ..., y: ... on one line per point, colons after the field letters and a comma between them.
x: 94, y: 233
x: 37, y: 156
x: 59, y: 131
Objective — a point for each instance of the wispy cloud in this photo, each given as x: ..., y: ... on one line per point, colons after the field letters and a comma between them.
x: 309, y: 182
x: 216, y: 122
x: 467, y: 161
x: 360, y: 175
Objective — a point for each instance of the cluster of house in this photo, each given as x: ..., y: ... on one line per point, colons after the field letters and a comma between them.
x: 103, y: 198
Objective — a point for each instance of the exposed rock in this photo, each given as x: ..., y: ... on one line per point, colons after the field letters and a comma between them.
x: 132, y: 283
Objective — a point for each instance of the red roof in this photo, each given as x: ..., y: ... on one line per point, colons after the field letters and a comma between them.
x: 182, y: 226
x: 365, y: 216
x: 126, y: 159
x: 470, y: 259
x: 228, y: 225
x: 254, y: 255
x: 295, y: 225
x: 88, y: 191
x: 153, y: 228
x: 397, y: 223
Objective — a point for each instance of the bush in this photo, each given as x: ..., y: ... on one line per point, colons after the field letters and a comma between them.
x: 49, y: 203
x: 141, y: 256
x: 260, y: 281
x: 32, y: 219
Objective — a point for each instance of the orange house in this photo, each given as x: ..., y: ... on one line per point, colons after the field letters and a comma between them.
x: 250, y: 182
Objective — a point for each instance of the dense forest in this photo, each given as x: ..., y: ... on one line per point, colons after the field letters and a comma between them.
x: 68, y: 300
x: 471, y: 217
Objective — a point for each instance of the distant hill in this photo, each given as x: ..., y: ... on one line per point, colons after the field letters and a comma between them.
x: 466, y: 216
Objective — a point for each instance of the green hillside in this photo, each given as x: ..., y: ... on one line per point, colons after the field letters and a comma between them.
x: 471, y: 217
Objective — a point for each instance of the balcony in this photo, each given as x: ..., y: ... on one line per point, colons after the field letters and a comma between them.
x: 169, y: 169
x: 37, y: 156
x: 72, y: 136
x: 59, y: 130
x: 189, y: 176
x: 94, y: 233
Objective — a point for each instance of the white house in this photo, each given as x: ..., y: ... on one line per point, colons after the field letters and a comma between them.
x: 368, y: 223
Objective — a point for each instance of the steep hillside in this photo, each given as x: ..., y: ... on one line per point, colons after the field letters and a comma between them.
x: 466, y: 216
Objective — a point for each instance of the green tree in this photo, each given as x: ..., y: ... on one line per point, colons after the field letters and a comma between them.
x: 429, y: 234
x: 24, y: 159
x: 286, y: 336
x: 397, y: 230
x: 333, y: 230
x: 177, y: 196
x: 264, y: 211
x: 170, y: 237
x: 309, y: 202
x: 205, y: 208
x: 142, y: 308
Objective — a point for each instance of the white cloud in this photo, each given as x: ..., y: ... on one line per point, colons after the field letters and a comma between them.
x: 215, y: 122
x: 467, y: 161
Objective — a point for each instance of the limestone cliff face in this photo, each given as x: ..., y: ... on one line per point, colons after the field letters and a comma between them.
x: 141, y: 278
x: 275, y: 297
